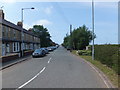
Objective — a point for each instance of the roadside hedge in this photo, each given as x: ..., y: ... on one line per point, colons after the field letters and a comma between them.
x: 108, y: 55
x: 85, y: 52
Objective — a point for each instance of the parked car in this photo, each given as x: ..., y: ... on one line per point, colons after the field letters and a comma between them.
x: 50, y: 49
x: 57, y: 46
x: 68, y: 48
x: 38, y: 53
x: 46, y: 50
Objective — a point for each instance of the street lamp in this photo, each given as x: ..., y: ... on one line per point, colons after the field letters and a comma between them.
x: 93, y: 51
x: 22, y: 26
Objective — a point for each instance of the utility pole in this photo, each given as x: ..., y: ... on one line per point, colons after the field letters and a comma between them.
x: 70, y: 37
x: 70, y: 29
x: 93, y: 29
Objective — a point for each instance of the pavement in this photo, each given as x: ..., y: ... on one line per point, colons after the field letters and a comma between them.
x: 13, y: 62
x: 59, y: 69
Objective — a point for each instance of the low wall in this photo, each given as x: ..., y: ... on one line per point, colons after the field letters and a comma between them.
x: 15, y: 56
x: 27, y: 53
x: 9, y: 58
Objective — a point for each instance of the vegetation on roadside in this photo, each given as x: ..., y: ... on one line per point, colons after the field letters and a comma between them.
x: 79, y: 38
x: 84, y: 52
x: 43, y: 34
x: 110, y: 73
x: 108, y: 55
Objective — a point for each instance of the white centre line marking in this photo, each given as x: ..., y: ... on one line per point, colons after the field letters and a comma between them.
x: 49, y: 60
x: 31, y: 79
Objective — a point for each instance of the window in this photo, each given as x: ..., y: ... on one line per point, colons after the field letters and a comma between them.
x: 14, y: 34
x: 3, y: 31
x: 9, y: 33
x: 16, y: 46
x: 9, y: 29
x: 22, y: 46
x: 31, y: 46
x: 3, y: 49
x: 34, y: 38
x: 23, y: 35
x: 7, y: 48
x: 6, y: 31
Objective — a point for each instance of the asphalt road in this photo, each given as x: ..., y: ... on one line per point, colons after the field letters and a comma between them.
x: 59, y: 69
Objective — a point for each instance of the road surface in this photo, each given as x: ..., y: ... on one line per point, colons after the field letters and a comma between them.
x: 59, y: 69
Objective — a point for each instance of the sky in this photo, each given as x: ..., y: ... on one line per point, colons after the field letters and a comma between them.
x: 57, y: 17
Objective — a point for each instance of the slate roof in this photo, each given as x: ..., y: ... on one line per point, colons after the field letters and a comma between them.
x: 16, y: 27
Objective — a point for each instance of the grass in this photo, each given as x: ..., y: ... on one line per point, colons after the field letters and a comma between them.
x: 74, y: 52
x: 111, y: 74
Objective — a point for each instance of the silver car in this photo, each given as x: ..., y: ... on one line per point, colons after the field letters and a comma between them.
x: 38, y: 53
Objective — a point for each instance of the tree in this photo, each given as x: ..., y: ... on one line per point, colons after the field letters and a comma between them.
x: 81, y: 37
x: 66, y: 42
x: 43, y: 34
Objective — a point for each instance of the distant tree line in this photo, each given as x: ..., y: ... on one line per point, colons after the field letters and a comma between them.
x: 43, y: 34
x: 78, y: 39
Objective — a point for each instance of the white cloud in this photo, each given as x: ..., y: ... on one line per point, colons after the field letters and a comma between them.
x: 27, y: 26
x: 48, y: 10
x: 43, y: 22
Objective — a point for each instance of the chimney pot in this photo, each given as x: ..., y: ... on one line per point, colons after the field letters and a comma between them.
x: 20, y: 24
x: 1, y: 14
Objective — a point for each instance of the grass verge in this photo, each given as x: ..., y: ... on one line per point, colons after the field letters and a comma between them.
x: 111, y: 74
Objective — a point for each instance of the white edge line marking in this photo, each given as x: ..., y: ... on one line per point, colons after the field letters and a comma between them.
x: 49, y: 60
x: 31, y: 79
x: 99, y: 75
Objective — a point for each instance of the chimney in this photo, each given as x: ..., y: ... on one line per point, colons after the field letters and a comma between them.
x: 30, y: 29
x: 1, y: 14
x: 20, y: 24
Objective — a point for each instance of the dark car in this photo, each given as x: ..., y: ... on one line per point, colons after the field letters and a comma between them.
x: 38, y: 53
x: 68, y: 48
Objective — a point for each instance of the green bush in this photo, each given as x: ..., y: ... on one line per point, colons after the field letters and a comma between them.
x: 108, y: 55
x: 85, y: 52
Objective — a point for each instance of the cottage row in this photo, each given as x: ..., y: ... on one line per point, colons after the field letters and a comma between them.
x: 14, y: 39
